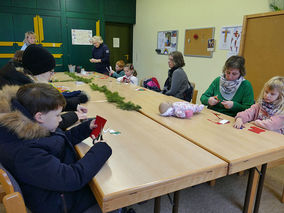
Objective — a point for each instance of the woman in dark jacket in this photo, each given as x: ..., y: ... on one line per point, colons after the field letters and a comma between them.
x: 42, y: 158
x: 177, y: 83
x: 100, y: 55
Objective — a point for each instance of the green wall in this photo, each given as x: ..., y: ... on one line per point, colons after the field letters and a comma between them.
x: 59, y: 17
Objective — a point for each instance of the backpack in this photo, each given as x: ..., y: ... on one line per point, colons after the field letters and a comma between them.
x: 152, y: 84
x: 188, y: 93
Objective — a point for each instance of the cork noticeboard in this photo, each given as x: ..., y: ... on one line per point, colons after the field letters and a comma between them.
x: 262, y: 46
x: 196, y: 42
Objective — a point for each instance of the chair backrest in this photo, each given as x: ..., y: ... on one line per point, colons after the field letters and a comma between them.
x: 194, y: 96
x: 13, y: 200
x: 194, y: 93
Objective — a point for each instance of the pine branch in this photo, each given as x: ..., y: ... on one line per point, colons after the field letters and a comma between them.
x: 112, y: 97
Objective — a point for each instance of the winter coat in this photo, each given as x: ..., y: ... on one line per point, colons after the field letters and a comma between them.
x: 45, y: 163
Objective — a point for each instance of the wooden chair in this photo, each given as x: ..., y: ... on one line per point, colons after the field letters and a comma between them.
x: 194, y: 93
x: 12, y: 199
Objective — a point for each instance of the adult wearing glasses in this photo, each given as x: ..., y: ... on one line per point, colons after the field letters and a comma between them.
x: 177, y: 83
x: 230, y: 93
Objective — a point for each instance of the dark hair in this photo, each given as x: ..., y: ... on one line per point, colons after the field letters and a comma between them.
x: 177, y: 58
x: 18, y: 56
x: 236, y: 62
x: 40, y: 97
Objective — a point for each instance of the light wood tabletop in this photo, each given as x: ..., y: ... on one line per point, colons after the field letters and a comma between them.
x: 148, y: 160
x: 242, y: 149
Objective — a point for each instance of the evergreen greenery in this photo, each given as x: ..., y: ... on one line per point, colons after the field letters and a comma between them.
x: 112, y: 97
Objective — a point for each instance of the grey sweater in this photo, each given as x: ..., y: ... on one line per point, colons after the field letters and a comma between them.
x: 179, y: 84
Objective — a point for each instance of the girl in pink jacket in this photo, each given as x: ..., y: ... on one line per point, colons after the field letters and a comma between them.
x: 268, y: 112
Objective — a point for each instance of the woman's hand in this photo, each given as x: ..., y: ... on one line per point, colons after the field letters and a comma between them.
x: 212, y: 101
x: 93, y: 60
x: 239, y: 123
x: 93, y: 125
x: 227, y: 104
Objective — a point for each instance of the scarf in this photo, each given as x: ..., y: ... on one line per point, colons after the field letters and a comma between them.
x: 168, y: 82
x: 269, y: 108
x: 229, y: 88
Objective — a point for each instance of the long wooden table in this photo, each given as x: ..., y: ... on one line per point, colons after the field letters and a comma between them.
x: 241, y: 149
x: 148, y: 160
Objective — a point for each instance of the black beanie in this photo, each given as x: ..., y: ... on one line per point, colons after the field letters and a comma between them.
x: 38, y: 60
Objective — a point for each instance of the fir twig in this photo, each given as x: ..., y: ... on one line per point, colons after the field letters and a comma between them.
x: 112, y: 97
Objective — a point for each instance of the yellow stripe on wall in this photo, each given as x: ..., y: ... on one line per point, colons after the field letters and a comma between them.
x: 11, y: 55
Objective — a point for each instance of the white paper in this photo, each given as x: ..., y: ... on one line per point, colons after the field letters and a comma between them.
x: 115, y: 42
x: 81, y: 37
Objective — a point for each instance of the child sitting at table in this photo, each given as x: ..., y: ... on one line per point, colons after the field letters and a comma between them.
x: 119, y: 72
x: 268, y: 112
x: 179, y: 109
x: 129, y: 76
x: 41, y: 156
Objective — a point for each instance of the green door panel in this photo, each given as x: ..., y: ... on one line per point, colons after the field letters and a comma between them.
x: 80, y: 54
x: 123, y: 32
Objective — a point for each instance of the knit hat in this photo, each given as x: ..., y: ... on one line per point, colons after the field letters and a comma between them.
x: 38, y: 60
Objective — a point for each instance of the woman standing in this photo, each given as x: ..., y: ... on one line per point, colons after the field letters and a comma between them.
x: 100, y: 55
x: 177, y: 83
x: 230, y: 93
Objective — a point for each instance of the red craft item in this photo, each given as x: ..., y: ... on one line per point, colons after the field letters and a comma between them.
x: 256, y: 129
x: 96, y: 132
x: 195, y: 36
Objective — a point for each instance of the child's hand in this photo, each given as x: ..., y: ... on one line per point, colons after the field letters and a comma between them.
x: 81, y: 115
x: 81, y: 109
x: 239, y: 123
x: 227, y: 104
x: 111, y: 72
x: 213, y: 101
x: 92, y: 60
x: 92, y: 124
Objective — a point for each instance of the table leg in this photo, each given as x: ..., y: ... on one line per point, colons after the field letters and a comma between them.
x: 260, y: 187
x: 249, y: 189
x: 157, y: 206
x: 176, y: 202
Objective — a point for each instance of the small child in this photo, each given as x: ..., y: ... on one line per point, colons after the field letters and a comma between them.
x: 129, y: 75
x: 268, y: 112
x: 30, y: 38
x: 42, y: 157
x: 119, y: 72
x: 179, y: 109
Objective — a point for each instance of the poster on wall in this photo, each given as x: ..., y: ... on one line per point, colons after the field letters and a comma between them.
x: 81, y: 37
x: 167, y: 42
x: 230, y: 38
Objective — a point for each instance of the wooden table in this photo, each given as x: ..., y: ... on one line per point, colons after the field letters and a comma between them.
x: 241, y: 149
x: 148, y: 160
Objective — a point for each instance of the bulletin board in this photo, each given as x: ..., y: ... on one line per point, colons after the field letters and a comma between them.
x: 196, y: 42
x: 167, y: 42
x: 262, y: 46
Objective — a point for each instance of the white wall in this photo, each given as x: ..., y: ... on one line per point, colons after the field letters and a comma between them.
x: 160, y: 15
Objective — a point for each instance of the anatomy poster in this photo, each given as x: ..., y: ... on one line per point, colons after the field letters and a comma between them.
x: 230, y: 38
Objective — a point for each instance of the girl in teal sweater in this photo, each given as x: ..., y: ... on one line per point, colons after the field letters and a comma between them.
x: 230, y: 93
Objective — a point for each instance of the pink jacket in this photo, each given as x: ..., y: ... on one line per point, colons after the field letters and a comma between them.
x: 262, y: 119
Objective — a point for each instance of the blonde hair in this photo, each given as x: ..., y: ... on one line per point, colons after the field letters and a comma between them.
x: 96, y: 39
x: 277, y: 83
x: 27, y: 35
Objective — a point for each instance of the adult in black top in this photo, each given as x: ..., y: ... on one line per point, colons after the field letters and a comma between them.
x: 100, y: 55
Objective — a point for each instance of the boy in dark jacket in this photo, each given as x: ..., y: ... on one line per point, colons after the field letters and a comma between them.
x: 40, y: 156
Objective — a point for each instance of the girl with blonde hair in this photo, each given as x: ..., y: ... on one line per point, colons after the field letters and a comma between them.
x: 268, y: 112
x: 30, y: 38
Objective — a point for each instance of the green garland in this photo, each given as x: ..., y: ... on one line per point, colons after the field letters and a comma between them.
x: 112, y: 97
x: 78, y: 78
